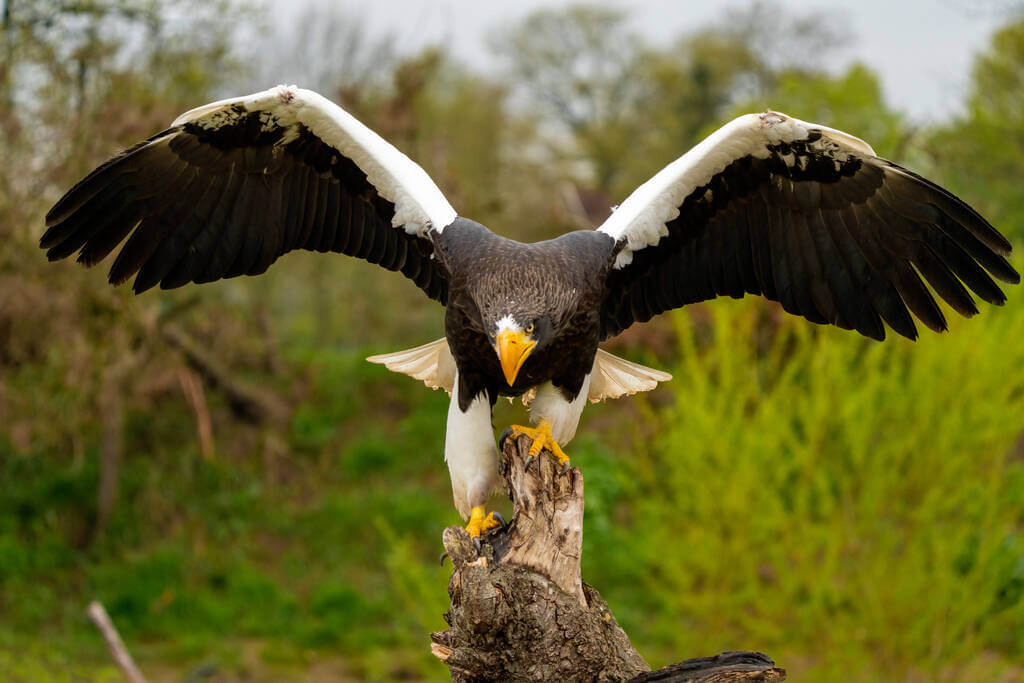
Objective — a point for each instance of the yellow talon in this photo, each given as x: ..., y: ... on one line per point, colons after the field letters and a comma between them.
x: 479, y: 522
x: 542, y: 439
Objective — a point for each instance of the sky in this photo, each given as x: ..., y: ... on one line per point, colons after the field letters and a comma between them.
x: 922, y: 49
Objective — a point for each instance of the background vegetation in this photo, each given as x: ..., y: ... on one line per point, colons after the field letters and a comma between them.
x: 251, y: 500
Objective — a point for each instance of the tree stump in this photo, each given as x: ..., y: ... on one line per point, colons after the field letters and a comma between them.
x: 520, y: 611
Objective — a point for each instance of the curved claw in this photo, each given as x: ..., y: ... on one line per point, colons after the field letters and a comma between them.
x: 443, y: 555
x: 565, y: 467
x: 529, y: 461
x: 504, y: 436
x: 501, y: 519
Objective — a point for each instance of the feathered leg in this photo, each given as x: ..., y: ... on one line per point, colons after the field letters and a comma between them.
x: 472, y: 459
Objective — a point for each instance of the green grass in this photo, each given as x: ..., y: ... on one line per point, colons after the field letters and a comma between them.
x: 852, y: 508
x: 201, y: 556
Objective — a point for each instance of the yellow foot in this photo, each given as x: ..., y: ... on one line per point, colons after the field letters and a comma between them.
x: 479, y: 522
x: 542, y: 439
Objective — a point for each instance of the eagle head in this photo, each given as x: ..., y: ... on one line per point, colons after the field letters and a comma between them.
x: 515, y: 336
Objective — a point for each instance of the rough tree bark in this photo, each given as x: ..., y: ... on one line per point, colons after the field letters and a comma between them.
x: 521, y: 612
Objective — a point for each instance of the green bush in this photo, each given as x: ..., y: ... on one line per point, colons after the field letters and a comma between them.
x: 851, y: 506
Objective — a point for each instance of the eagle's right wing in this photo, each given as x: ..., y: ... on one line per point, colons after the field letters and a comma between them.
x: 807, y: 216
x: 233, y: 185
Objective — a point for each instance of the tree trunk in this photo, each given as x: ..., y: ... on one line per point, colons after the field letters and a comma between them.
x: 521, y: 612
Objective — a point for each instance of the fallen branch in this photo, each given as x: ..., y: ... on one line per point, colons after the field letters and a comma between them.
x: 245, y: 400
x: 520, y: 610
x: 754, y: 667
x: 118, y: 651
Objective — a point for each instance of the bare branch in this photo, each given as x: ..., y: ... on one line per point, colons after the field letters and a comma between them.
x: 118, y: 651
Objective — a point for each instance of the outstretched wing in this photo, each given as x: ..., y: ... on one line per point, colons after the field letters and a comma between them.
x: 233, y: 185
x: 807, y: 216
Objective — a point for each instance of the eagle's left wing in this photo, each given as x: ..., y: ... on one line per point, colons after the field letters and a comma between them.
x: 233, y: 185
x: 804, y: 215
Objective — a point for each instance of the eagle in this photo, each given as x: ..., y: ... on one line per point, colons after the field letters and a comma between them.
x: 797, y: 212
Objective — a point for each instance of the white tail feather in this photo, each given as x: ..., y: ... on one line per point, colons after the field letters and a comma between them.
x: 611, y: 377
x: 430, y: 363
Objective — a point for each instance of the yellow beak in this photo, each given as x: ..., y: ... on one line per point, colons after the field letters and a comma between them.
x: 513, y: 348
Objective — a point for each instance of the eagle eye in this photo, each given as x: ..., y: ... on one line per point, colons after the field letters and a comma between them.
x: 529, y: 329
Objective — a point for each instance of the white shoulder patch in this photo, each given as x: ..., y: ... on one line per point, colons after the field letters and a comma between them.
x: 419, y: 203
x: 431, y: 363
x: 641, y: 219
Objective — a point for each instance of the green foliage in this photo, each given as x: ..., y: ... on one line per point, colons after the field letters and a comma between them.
x: 851, y: 101
x: 816, y: 494
x: 982, y: 152
x: 224, y: 556
x: 845, y: 505
x: 852, y: 508
x: 579, y: 64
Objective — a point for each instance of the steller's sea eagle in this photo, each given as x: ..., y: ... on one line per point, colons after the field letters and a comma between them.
x: 800, y: 213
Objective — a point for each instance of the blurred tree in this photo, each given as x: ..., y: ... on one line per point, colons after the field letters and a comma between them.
x: 79, y: 81
x: 327, y: 47
x: 626, y: 109
x: 981, y: 153
x: 851, y: 101
x: 749, y: 60
x: 781, y: 40
x: 578, y: 66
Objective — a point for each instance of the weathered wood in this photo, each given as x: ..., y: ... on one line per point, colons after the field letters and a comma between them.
x: 724, y: 668
x: 546, y: 533
x: 520, y: 610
